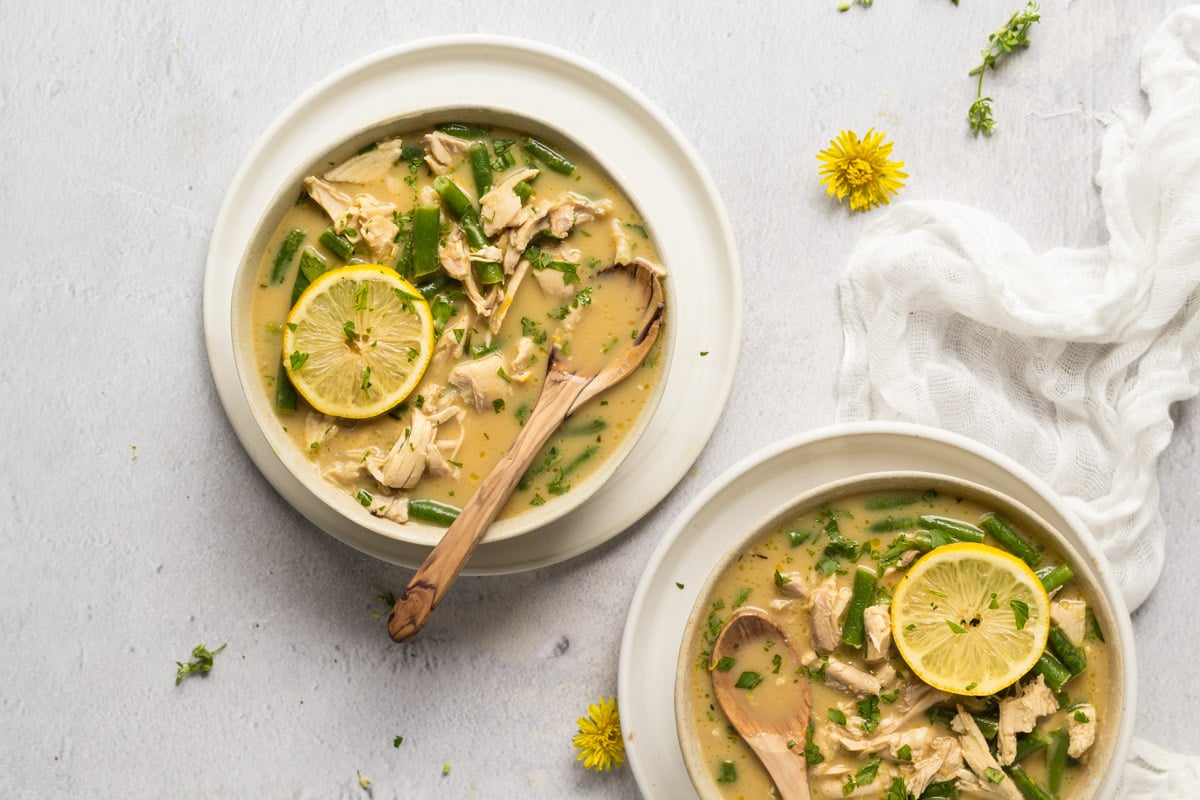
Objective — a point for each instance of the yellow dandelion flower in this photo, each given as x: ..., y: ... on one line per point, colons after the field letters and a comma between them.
x: 860, y: 169
x: 599, y: 739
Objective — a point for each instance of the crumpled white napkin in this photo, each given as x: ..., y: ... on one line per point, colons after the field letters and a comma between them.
x: 1067, y: 360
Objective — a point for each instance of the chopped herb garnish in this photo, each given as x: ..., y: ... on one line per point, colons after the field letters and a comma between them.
x: 725, y: 663
x: 955, y: 627
x: 297, y: 358
x: 726, y: 772
x: 1020, y: 611
x: 678, y: 585
x: 1081, y: 717
x: 904, y: 753
x: 399, y: 740
x: 797, y: 538
x: 741, y: 596
x: 781, y: 579
x: 837, y: 716
x: 537, y: 500
x: 748, y: 680
x: 498, y: 404
x: 348, y: 329
x: 364, y: 498
x: 868, y: 709
x: 202, y: 661
x: 994, y: 775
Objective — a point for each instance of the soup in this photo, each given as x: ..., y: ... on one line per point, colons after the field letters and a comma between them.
x: 504, y: 236
x: 877, y: 729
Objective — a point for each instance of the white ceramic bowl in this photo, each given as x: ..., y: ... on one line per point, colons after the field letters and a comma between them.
x: 527, y: 87
x: 1108, y: 752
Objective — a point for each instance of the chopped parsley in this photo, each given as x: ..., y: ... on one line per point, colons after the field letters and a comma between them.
x: 748, y: 680
x: 297, y: 358
x: 202, y: 661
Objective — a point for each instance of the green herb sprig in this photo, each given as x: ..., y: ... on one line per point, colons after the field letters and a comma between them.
x: 202, y: 661
x: 1014, y: 34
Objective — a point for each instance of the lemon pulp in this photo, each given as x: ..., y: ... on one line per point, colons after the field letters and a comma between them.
x: 357, y: 341
x: 970, y: 618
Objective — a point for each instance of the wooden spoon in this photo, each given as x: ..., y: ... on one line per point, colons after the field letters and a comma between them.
x: 565, y: 389
x: 767, y: 735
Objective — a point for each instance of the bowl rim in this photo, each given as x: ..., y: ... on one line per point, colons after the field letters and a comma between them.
x: 1115, y: 739
x: 645, y: 126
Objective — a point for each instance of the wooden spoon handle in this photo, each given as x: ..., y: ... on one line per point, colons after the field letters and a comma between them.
x: 435, y: 577
x: 790, y: 776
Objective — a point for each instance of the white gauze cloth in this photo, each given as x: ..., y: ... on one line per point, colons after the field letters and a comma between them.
x: 1069, y: 360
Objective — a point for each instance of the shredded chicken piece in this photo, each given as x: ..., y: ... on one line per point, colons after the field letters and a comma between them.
x: 363, y: 215
x: 319, y: 429
x: 877, y: 621
x: 418, y: 447
x: 941, y: 761
x: 451, y: 345
x: 377, y: 224
x: 442, y: 151
x: 480, y: 382
x: 500, y: 207
x: 1071, y: 616
x: 557, y: 218
x: 1081, y: 729
x: 979, y: 758
x: 393, y: 508
x: 850, y: 678
x: 794, y: 585
x: 553, y: 285
x: 510, y: 293
x: 373, y: 165
x: 828, y: 603
x: 622, y: 250
x: 456, y: 258
x: 525, y: 358
x: 1020, y: 713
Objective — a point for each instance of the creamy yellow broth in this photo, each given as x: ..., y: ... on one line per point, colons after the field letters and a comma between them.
x: 754, y: 580
x: 335, y: 446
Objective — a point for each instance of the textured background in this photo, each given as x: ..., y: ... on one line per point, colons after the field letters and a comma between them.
x: 132, y: 525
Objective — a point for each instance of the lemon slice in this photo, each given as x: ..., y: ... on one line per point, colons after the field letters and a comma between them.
x: 357, y: 341
x: 970, y: 619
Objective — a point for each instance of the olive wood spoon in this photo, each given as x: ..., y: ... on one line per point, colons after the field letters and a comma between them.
x: 768, y: 738
x: 565, y: 389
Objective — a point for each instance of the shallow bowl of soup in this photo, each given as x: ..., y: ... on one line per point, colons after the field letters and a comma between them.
x: 501, y: 232
x: 829, y: 568
x: 496, y: 180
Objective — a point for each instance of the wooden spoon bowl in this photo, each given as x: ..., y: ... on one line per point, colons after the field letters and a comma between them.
x: 777, y: 738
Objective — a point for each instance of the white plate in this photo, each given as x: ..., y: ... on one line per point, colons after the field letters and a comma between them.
x: 746, y: 496
x: 644, y: 153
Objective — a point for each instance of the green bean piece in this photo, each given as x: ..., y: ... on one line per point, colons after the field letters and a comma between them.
x: 891, y: 523
x: 481, y: 168
x: 1030, y: 743
x: 337, y: 244
x: 462, y: 207
x: 285, y: 393
x: 853, y: 628
x: 1027, y: 786
x: 942, y: 790
x: 988, y: 726
x: 1072, y: 657
x: 1054, y: 577
x: 549, y: 156
x: 488, y: 272
x: 287, y: 251
x: 888, y: 503
x: 1010, y: 540
x: 1053, y: 671
x: 956, y: 529
x: 441, y: 309
x: 586, y: 429
x: 463, y: 130
x: 433, y: 511
x: 435, y: 286
x: 426, y: 226
x: 304, y: 276
x: 580, y: 459
x: 1056, y: 760
x: 524, y: 191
